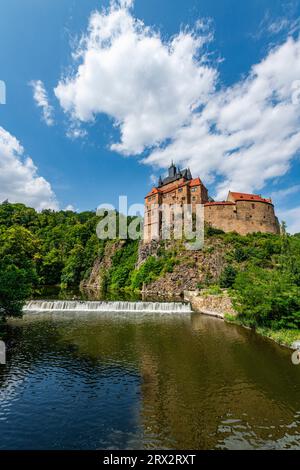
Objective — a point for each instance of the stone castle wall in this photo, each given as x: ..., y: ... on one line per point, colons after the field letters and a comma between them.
x: 242, y: 217
x: 242, y: 213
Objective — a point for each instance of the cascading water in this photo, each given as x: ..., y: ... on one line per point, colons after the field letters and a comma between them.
x: 40, y: 306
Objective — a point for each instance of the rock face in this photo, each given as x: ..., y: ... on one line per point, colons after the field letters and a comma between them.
x: 194, y: 268
x: 214, y: 305
x: 146, y: 250
x: 96, y: 279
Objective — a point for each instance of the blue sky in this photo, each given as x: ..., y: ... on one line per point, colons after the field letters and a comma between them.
x: 209, y: 83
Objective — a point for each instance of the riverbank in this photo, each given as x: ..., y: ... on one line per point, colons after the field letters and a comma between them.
x: 284, y: 337
x: 213, y: 302
x: 219, y: 304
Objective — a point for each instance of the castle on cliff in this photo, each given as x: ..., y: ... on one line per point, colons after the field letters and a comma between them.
x: 241, y: 213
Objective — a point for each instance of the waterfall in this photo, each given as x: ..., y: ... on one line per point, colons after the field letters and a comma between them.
x: 40, y: 306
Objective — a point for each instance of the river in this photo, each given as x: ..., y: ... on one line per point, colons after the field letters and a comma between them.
x: 145, y: 382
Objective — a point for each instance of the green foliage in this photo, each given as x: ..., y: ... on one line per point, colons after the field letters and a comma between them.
x: 152, y: 269
x: 227, y: 277
x: 15, y: 288
x: 47, y: 248
x: 148, y: 272
x: 211, y: 231
x: 267, y: 298
x: 52, y: 248
x: 213, y: 290
x: 123, y: 264
x: 71, y: 274
x: 18, y: 248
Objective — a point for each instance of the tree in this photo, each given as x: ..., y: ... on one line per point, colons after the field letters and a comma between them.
x: 227, y: 277
x: 267, y: 298
x: 18, y: 277
x: 15, y: 288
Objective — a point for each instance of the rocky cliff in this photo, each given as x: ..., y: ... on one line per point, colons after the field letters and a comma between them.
x: 180, y: 270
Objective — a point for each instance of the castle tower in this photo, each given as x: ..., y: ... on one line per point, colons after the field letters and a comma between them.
x: 178, y: 188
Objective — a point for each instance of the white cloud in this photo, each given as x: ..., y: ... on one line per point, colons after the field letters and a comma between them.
x: 41, y: 99
x: 153, y: 179
x: 292, y: 219
x: 167, y: 99
x: 248, y: 133
x: 147, y: 85
x: 283, y: 193
x: 70, y: 207
x: 286, y: 23
x: 75, y: 131
x: 19, y: 179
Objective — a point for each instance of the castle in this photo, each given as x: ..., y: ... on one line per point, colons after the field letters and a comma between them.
x: 241, y: 213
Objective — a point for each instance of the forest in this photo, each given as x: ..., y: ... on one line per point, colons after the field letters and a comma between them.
x: 262, y: 271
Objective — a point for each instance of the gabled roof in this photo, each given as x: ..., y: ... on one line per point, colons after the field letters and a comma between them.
x: 176, y: 185
x: 195, y: 182
x: 248, y: 197
x: 152, y: 192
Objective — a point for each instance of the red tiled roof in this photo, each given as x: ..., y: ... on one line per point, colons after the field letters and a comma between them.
x: 152, y: 192
x: 249, y: 197
x: 195, y: 182
x: 191, y: 183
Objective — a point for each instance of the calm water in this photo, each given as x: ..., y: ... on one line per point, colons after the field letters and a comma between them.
x: 185, y: 383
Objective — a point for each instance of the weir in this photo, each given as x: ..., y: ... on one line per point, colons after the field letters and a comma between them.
x: 40, y: 306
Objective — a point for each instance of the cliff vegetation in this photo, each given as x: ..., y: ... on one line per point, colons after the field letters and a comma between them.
x: 261, y: 272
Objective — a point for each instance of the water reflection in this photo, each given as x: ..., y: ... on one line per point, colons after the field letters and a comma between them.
x: 164, y: 382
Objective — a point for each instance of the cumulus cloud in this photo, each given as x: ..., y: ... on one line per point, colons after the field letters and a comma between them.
x: 19, y: 179
x: 246, y: 134
x: 168, y: 100
x: 147, y: 85
x: 41, y: 99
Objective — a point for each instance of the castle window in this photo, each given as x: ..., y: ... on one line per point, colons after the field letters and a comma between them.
x: 253, y: 206
x: 193, y: 198
x: 180, y: 190
x: 193, y: 190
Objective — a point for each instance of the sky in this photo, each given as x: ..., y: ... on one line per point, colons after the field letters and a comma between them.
x: 101, y: 96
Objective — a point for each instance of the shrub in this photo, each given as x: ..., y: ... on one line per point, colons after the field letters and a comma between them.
x: 227, y: 277
x: 267, y: 298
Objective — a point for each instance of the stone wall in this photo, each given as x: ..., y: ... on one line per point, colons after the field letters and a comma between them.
x: 242, y: 217
x: 214, y: 305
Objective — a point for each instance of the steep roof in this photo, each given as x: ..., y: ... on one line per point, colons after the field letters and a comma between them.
x: 161, y: 190
x: 152, y: 192
x: 195, y: 182
x: 248, y: 197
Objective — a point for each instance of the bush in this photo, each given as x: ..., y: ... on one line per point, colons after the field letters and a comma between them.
x: 227, y: 277
x: 211, y: 231
x: 267, y: 298
x: 148, y: 272
x: 123, y: 265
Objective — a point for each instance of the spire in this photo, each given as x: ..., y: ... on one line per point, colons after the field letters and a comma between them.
x: 189, y: 174
x: 172, y: 170
x: 160, y: 181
